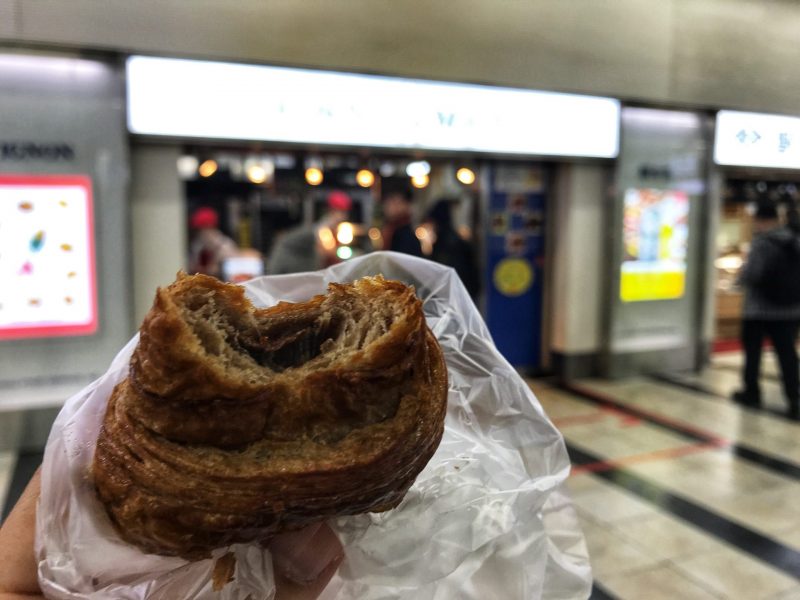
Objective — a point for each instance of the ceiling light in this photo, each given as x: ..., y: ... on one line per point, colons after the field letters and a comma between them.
x: 365, y: 178
x: 314, y: 176
x: 420, y: 181
x: 208, y: 168
x: 465, y: 176
x: 187, y: 166
x: 418, y: 168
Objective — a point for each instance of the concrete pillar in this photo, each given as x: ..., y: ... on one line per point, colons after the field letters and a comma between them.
x: 578, y: 244
x: 158, y: 221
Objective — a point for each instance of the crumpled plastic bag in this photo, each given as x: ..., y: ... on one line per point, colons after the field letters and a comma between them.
x: 486, y: 518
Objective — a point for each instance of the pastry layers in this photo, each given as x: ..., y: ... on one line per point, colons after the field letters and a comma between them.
x: 236, y: 423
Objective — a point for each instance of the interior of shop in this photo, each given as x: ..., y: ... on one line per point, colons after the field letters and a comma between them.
x: 741, y: 195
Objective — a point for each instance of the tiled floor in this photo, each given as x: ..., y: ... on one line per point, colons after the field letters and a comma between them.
x: 680, y: 492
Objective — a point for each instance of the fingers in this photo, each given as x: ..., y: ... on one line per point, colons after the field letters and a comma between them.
x: 305, y: 561
x: 17, y: 560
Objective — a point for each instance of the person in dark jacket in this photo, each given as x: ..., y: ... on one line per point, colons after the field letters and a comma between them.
x: 450, y: 248
x: 398, y: 234
x: 763, y: 317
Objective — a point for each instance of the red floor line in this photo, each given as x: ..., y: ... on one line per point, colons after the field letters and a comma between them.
x: 582, y: 419
x: 667, y: 453
x: 652, y: 416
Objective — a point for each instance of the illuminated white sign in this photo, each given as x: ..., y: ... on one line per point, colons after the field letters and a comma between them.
x: 757, y: 140
x: 47, y: 262
x: 198, y: 99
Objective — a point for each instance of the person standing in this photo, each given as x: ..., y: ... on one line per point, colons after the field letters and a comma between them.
x: 302, y: 249
x: 209, y: 246
x: 450, y: 249
x: 398, y: 234
x: 771, y: 281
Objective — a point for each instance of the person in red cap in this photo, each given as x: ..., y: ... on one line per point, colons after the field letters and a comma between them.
x: 311, y: 247
x: 209, y: 247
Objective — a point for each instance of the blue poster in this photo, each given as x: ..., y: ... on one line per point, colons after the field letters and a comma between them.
x: 515, y: 255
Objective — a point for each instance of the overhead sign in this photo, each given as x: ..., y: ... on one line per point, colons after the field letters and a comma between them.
x: 757, y: 140
x: 199, y: 99
x: 47, y: 262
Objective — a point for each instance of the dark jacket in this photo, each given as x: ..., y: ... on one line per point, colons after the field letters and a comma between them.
x: 763, y: 251
x: 454, y: 251
x: 404, y: 240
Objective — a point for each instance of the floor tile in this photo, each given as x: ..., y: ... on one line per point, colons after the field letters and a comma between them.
x: 610, y: 504
x: 770, y: 512
x: 583, y: 484
x: 610, y: 553
x: 666, y: 537
x: 791, y: 538
x: 790, y: 594
x: 734, y: 574
x: 659, y: 583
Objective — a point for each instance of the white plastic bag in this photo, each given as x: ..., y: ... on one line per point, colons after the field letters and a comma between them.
x: 484, y: 519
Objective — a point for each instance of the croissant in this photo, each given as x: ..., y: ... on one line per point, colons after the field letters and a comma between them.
x: 235, y: 423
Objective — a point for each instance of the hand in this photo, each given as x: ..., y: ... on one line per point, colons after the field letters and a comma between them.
x: 304, y: 560
x: 17, y: 563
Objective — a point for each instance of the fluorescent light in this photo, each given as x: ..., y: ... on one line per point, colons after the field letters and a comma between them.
x: 418, y: 168
x: 201, y: 99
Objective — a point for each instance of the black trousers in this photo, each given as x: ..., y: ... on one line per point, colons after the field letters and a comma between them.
x: 782, y: 334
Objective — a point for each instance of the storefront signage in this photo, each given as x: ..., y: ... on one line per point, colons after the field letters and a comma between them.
x: 757, y: 140
x: 22, y: 151
x: 198, y: 99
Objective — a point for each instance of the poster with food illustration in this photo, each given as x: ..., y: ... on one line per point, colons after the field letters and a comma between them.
x: 655, y: 237
x: 47, y: 266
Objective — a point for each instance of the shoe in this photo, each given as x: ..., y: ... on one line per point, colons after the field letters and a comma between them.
x: 744, y: 399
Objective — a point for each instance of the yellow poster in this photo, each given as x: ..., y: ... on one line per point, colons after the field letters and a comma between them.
x: 655, y: 239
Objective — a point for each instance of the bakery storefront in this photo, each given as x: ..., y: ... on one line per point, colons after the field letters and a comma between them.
x: 758, y: 156
x: 264, y: 146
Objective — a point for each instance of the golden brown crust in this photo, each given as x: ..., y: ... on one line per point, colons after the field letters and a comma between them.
x: 309, y: 411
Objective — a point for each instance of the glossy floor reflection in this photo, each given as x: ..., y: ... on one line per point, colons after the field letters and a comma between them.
x: 680, y: 492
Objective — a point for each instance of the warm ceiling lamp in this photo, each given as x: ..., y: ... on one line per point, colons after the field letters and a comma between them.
x: 208, y: 168
x: 465, y: 176
x: 365, y: 178
x: 420, y: 181
x: 257, y: 173
x: 314, y: 175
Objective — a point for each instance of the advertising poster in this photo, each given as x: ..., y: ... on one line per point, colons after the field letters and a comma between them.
x: 515, y: 254
x: 47, y: 265
x: 655, y: 238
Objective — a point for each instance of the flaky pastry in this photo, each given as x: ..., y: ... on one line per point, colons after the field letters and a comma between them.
x: 236, y: 423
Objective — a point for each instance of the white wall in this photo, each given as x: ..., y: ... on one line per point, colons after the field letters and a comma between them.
x: 578, y: 258
x: 736, y: 53
x: 158, y: 222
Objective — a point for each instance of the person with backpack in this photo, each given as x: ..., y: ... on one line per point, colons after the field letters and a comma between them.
x: 771, y: 280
